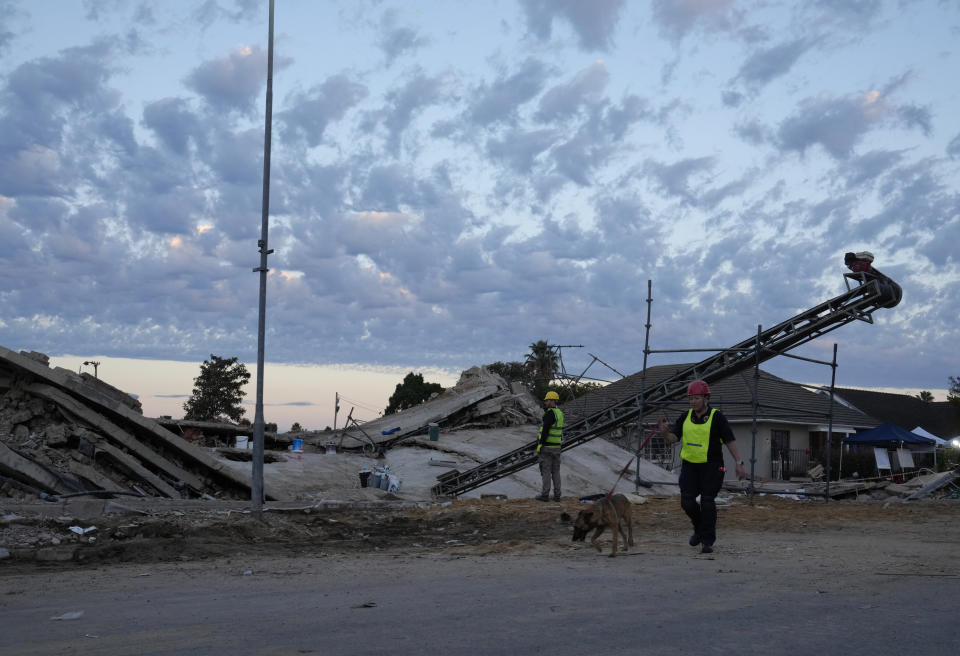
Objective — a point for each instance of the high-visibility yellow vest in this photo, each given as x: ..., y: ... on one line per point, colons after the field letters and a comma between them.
x: 696, y: 438
x: 555, y: 436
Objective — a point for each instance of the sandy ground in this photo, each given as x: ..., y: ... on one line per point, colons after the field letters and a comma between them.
x: 860, y: 534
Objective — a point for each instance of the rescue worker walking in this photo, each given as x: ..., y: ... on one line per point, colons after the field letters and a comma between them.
x: 548, y: 447
x: 702, y: 432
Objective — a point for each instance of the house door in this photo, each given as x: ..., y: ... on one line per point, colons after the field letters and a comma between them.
x: 780, y: 454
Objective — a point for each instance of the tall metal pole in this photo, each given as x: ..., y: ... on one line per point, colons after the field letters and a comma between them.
x: 833, y: 383
x: 643, y: 383
x: 756, y: 409
x: 256, y: 485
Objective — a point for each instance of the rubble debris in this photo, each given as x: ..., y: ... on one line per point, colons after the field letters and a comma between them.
x: 480, y: 399
x: 65, y: 433
x: 221, y: 434
x: 933, y: 483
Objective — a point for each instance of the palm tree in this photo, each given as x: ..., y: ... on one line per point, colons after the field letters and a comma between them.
x: 543, y: 362
x: 925, y: 396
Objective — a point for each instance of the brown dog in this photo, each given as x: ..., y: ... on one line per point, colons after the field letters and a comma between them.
x: 611, y: 513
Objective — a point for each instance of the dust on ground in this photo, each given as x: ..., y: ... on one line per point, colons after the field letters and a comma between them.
x: 36, y: 541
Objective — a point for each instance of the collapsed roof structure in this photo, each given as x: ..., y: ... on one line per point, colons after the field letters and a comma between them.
x: 69, y: 434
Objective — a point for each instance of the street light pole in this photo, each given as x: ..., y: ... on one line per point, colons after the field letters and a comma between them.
x: 256, y: 485
x: 88, y: 363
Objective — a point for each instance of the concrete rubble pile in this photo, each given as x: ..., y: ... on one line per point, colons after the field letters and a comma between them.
x: 480, y: 399
x: 65, y: 434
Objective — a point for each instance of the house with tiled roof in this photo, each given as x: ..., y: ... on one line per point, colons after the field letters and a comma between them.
x: 783, y: 436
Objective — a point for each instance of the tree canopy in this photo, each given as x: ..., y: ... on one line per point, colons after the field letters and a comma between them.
x: 511, y: 371
x: 538, y: 372
x: 218, y: 391
x: 543, y: 362
x: 411, y: 392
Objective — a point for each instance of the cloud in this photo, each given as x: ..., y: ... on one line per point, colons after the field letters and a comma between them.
x: 311, y: 112
x: 767, y: 64
x: 211, y: 11
x: 405, y: 102
x: 870, y: 166
x: 563, y: 101
x: 41, y: 95
x: 836, y: 124
x: 232, y: 82
x: 396, y: 41
x: 953, y: 148
x: 676, y: 179
x: 11, y: 17
x: 173, y: 123
x: 519, y: 150
x: 499, y: 101
x: 678, y: 18
x: 594, y: 22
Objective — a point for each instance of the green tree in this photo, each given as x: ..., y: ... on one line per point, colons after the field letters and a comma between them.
x: 542, y: 361
x: 925, y: 396
x: 571, y: 391
x: 511, y: 371
x: 217, y: 391
x: 412, y: 391
x: 953, y: 394
x: 296, y: 428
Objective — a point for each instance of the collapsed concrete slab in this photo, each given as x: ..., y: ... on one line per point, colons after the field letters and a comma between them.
x: 55, y: 418
x: 480, y: 399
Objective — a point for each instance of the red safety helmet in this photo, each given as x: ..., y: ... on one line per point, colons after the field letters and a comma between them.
x: 698, y: 387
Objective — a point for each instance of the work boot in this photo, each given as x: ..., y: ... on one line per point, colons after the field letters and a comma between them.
x: 694, y: 540
x: 706, y: 548
x: 542, y: 497
x: 556, y: 497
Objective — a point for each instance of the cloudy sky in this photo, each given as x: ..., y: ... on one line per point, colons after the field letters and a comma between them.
x: 452, y: 181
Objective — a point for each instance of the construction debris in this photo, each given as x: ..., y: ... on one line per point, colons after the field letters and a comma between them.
x: 480, y: 399
x: 67, y: 434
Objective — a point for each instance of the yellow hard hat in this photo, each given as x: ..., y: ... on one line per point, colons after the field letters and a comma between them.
x: 551, y: 396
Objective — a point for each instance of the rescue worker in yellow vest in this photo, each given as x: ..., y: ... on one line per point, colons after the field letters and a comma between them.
x: 702, y: 431
x: 548, y: 447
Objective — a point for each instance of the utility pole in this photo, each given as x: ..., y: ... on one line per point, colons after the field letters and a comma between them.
x: 256, y: 484
x: 336, y: 408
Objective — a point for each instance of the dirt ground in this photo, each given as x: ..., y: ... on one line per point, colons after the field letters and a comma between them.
x: 850, y: 530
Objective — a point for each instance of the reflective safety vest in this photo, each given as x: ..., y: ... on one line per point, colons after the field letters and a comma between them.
x: 555, y: 436
x: 696, y: 438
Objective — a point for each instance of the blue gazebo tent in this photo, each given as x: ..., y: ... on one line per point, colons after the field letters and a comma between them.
x: 889, y: 435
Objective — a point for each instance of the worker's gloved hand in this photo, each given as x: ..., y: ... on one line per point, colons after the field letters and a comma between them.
x: 538, y: 447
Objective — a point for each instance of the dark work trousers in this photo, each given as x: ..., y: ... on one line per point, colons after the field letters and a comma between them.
x: 550, y: 471
x: 704, y: 479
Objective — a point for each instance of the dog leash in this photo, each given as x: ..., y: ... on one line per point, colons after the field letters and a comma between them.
x: 627, y: 466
